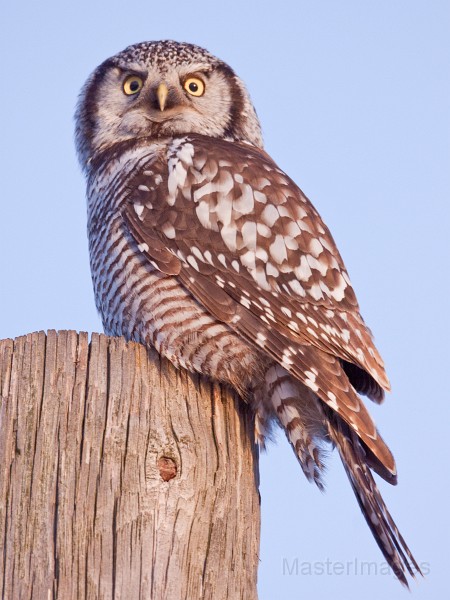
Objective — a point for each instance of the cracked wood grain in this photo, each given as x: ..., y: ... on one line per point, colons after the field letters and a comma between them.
x: 120, y: 477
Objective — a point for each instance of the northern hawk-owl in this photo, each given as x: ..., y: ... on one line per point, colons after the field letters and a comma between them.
x: 202, y: 247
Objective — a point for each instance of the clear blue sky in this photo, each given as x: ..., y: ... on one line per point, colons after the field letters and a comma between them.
x: 354, y: 101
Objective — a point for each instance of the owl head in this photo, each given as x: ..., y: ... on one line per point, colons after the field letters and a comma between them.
x: 162, y: 89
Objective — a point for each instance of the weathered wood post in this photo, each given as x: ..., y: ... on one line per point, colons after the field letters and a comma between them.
x: 121, y: 477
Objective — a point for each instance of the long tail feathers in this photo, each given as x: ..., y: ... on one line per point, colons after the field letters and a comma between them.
x: 372, y: 505
x: 309, y: 424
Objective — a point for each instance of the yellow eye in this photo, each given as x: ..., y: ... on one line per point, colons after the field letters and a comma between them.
x: 132, y: 85
x: 194, y: 86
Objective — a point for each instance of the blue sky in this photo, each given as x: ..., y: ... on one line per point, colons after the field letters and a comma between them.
x: 353, y: 97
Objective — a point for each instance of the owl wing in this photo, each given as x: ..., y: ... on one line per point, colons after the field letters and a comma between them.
x: 251, y: 248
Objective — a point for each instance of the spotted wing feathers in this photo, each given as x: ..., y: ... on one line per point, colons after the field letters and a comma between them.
x: 251, y: 248
x: 229, y: 207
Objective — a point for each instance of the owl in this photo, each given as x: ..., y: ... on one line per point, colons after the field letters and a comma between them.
x: 202, y: 247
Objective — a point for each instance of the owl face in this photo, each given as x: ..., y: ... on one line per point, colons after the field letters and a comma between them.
x: 162, y: 89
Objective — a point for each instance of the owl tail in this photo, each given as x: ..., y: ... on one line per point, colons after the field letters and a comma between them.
x: 372, y: 505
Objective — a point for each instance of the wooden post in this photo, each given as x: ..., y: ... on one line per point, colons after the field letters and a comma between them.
x: 121, y: 477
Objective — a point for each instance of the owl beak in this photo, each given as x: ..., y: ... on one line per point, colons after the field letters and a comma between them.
x: 161, y: 93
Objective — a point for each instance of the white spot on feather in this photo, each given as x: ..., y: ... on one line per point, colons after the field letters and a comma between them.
x: 311, y: 331
x: 248, y: 259
x: 315, y: 247
x: 269, y: 215
x: 284, y: 211
x: 304, y: 226
x: 317, y: 265
x: 293, y: 325
x: 360, y: 354
x: 345, y: 334
x: 310, y: 375
x: 346, y: 277
x: 332, y: 401
x: 192, y: 261
x: 325, y: 289
x: 303, y: 271
x: 206, y: 189
x: 186, y: 153
x: 259, y: 275
x: 339, y: 291
x: 224, y: 210
x: 262, y: 254
x: 138, y: 209
x: 302, y: 317
x: 245, y: 203
x: 202, y: 211
x: 286, y: 359
x: 278, y: 249
x: 177, y: 178
x: 169, y: 231
x: 263, y: 230
x: 228, y: 233
x: 286, y: 311
x: 312, y: 385
x: 221, y: 258
x: 296, y: 287
x: 260, y: 197
x: 208, y: 256
x: 315, y: 292
x: 261, y: 339
x: 291, y: 228
x: 196, y: 252
x: 271, y: 270
x: 326, y: 245
x: 291, y: 243
x: 246, y: 303
x: 220, y: 282
x: 248, y: 232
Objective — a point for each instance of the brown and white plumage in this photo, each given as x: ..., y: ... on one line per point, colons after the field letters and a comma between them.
x: 202, y: 247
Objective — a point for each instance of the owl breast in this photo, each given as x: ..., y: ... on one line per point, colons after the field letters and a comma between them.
x: 137, y: 300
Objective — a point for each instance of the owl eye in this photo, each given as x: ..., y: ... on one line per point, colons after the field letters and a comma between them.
x: 132, y: 85
x: 194, y: 86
